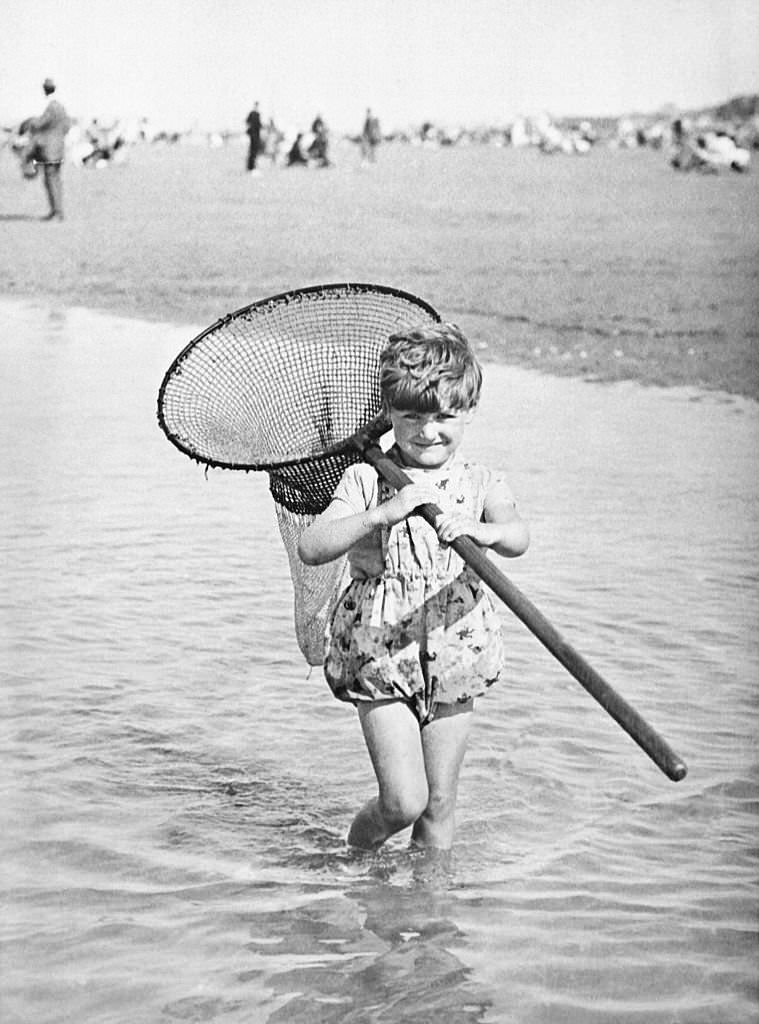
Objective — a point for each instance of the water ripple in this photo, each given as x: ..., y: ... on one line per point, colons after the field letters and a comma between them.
x: 177, y: 785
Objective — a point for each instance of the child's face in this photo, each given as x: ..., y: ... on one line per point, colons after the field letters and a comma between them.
x: 428, y: 439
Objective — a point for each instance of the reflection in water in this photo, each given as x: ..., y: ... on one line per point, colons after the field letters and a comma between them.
x: 384, y: 949
x: 365, y: 934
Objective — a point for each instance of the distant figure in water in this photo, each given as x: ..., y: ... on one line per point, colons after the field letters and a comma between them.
x: 414, y: 638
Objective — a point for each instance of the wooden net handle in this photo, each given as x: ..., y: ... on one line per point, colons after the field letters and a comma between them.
x: 623, y: 713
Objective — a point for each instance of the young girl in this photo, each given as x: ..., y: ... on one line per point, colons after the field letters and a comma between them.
x: 414, y: 638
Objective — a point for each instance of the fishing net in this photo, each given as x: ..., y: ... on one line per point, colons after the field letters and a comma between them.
x: 286, y: 385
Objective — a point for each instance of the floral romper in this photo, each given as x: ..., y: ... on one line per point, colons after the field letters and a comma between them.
x: 417, y: 624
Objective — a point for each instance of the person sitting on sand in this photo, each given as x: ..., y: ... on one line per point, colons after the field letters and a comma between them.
x: 710, y: 152
x: 296, y: 157
x: 318, y: 148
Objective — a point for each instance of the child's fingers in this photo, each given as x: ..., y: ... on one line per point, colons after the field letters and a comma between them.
x: 407, y: 499
x: 449, y: 527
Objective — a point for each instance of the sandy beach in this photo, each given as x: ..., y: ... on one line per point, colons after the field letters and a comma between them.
x: 608, y: 267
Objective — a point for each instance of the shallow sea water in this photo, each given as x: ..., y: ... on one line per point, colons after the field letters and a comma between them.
x: 176, y: 785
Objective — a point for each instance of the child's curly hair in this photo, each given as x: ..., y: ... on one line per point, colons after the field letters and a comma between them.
x: 429, y: 369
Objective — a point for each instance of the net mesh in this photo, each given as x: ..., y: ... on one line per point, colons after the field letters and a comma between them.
x: 284, y: 385
x: 315, y: 587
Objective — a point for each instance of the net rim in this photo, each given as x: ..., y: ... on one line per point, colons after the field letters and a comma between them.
x: 374, y: 429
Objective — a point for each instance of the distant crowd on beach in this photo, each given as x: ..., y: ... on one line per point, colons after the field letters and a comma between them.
x: 724, y: 138
x: 702, y: 142
x: 305, y: 149
x: 706, y: 151
x: 98, y: 144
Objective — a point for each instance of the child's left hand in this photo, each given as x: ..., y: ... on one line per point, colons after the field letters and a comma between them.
x: 449, y: 526
x: 506, y: 533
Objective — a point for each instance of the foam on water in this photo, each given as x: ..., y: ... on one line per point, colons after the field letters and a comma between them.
x: 176, y: 785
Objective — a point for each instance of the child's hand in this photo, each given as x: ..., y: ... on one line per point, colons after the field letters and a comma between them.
x: 449, y: 526
x: 403, y: 503
x: 508, y: 536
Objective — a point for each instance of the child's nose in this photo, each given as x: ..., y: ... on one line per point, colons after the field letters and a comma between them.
x: 429, y: 428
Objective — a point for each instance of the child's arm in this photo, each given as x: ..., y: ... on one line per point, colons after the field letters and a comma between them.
x: 501, y: 529
x: 338, y: 529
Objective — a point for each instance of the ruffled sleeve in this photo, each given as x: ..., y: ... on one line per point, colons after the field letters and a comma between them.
x: 357, y: 487
x: 358, y: 491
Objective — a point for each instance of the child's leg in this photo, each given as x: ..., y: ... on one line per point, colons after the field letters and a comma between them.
x: 391, y: 732
x: 444, y: 742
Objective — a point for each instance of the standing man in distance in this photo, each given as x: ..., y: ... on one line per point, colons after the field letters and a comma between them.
x: 370, y: 137
x: 48, y: 133
x: 253, y: 129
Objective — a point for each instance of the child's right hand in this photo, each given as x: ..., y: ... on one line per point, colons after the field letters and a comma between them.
x: 404, y: 501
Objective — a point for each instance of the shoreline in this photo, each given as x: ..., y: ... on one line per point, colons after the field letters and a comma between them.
x: 607, y: 268
x: 690, y: 392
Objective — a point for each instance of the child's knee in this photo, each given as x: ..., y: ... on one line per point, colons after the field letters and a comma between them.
x: 404, y: 807
x: 440, y: 806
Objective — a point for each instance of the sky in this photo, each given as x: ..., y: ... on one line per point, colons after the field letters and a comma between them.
x: 202, y: 63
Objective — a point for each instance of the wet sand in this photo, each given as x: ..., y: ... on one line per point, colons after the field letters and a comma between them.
x: 608, y: 267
